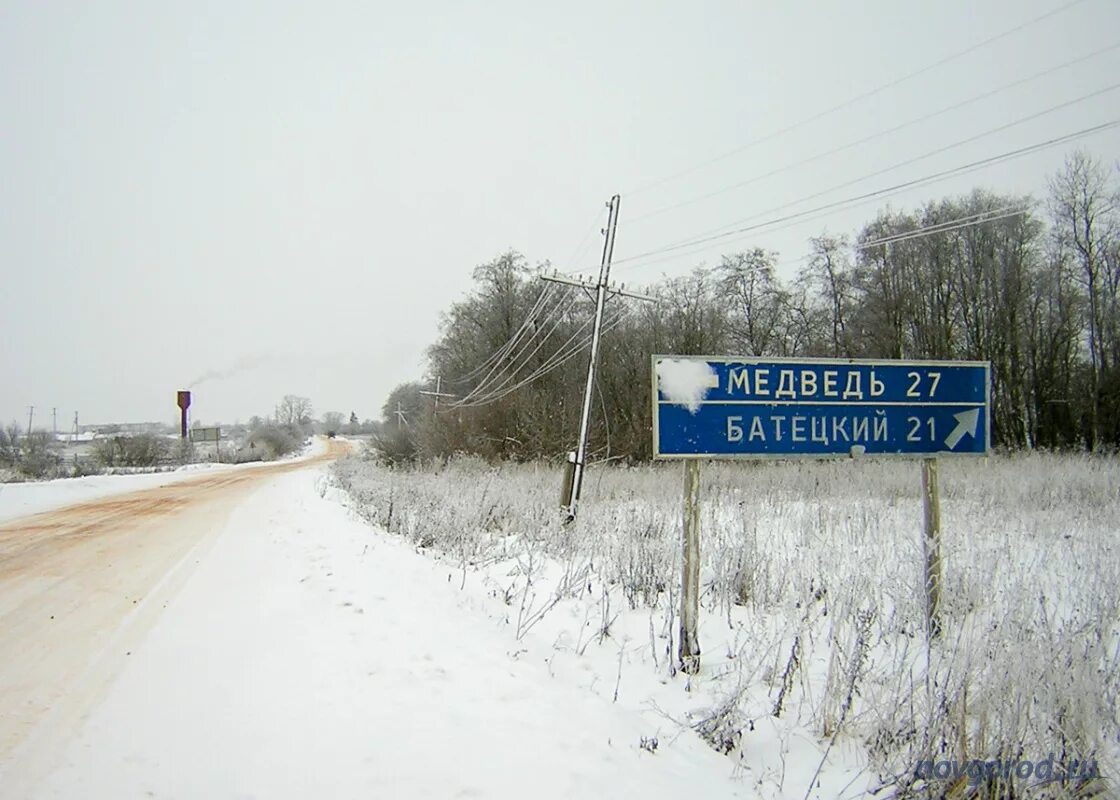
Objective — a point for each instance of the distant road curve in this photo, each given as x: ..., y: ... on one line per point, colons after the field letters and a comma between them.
x: 79, y: 585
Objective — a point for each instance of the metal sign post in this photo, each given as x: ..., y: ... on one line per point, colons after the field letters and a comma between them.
x: 931, y: 545
x: 689, y: 649
x: 725, y: 407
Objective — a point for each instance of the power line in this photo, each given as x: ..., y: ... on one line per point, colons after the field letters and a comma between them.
x: 504, y: 350
x: 497, y: 377
x: 509, y: 343
x: 915, y: 159
x: 507, y: 350
x: 812, y: 213
x: 514, y: 368
x: 537, y: 323
x: 552, y: 318
x: 489, y: 394
x: 916, y: 233
x: 555, y: 361
x: 876, y: 135
x: 857, y: 98
x: 948, y: 226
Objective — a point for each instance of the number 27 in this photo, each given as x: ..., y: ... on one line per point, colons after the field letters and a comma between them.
x: 916, y: 379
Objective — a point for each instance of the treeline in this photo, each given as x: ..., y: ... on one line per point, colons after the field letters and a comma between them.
x: 1036, y: 293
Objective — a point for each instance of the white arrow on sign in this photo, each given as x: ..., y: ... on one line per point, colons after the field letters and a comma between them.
x: 966, y: 423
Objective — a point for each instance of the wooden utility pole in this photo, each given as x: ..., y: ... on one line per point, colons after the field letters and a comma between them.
x: 437, y: 394
x: 30, y: 416
x: 54, y: 422
x: 931, y: 545
x: 689, y: 650
x: 401, y: 419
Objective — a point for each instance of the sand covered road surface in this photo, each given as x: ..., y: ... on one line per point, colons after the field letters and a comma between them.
x: 80, y: 584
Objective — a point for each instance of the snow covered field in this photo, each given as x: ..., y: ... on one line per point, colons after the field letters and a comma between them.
x: 817, y: 679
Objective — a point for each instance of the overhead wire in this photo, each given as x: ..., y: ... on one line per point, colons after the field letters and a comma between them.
x: 504, y: 364
x: 515, y: 345
x: 547, y: 290
x: 856, y: 99
x: 516, y: 363
x: 564, y: 354
x: 537, y: 324
x: 490, y: 395
x: 1109, y: 48
x: 916, y: 233
x: 907, y: 162
x: 994, y: 215
x: 648, y: 257
x: 560, y: 357
x: 631, y: 221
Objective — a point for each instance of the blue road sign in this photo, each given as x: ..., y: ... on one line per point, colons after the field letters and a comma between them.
x: 731, y: 407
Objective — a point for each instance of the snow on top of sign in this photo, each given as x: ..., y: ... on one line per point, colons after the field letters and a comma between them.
x: 685, y: 382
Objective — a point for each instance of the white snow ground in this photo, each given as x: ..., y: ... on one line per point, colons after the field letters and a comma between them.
x: 309, y: 655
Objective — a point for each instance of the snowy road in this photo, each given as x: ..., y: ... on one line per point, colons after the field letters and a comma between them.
x: 81, y: 584
x: 277, y: 647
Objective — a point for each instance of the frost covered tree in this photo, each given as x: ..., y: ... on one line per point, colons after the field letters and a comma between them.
x: 294, y: 410
x: 1085, y: 206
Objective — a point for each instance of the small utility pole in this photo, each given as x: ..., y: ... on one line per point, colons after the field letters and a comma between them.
x: 54, y: 422
x: 401, y: 420
x: 75, y: 434
x: 437, y: 394
x: 30, y: 416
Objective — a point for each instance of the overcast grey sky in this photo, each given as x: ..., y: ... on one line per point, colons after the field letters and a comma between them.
x: 283, y: 197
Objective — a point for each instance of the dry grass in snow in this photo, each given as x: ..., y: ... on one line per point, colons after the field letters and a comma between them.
x: 818, y: 679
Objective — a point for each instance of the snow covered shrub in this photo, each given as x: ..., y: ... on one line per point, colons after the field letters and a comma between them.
x: 273, y: 441
x: 40, y: 457
x: 182, y: 452
x: 141, y: 450
x: 9, y: 446
x: 34, y: 457
x: 394, y: 445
